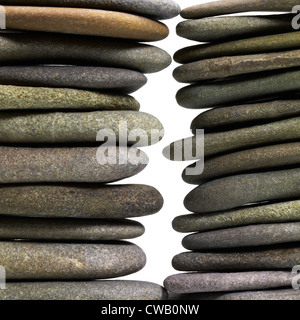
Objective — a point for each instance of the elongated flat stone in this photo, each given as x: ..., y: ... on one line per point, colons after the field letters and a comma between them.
x: 218, y: 282
x: 85, y: 22
x: 263, y: 44
x: 100, y: 202
x: 215, y: 8
x: 235, y: 191
x: 162, y: 9
x: 32, y: 165
x: 70, y: 261
x: 20, y: 48
x: 88, y: 290
x: 256, y: 259
x: 249, y: 113
x: 225, y: 28
x: 245, y: 161
x: 35, y: 98
x: 94, y: 78
x: 270, y: 213
x: 236, y: 65
x: 249, y: 236
x: 234, y: 140
x: 238, y: 89
x: 70, y: 127
x: 69, y: 229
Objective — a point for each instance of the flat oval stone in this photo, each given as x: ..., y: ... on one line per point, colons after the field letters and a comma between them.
x: 215, y: 8
x: 69, y: 229
x: 269, y: 213
x: 263, y: 44
x: 255, y: 259
x: 274, y: 156
x: 238, y: 89
x: 70, y: 261
x: 94, y: 78
x: 142, y: 129
x: 84, y: 290
x: 38, y: 165
x: 226, y: 28
x: 35, y: 98
x: 89, y: 22
x: 236, y: 65
x: 227, y: 117
x: 249, y: 236
x: 44, y: 48
x: 236, y: 191
x: 161, y: 9
x: 223, y: 282
x: 80, y: 201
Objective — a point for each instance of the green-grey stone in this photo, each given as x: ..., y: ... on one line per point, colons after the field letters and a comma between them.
x: 80, y: 201
x: 71, y: 49
x: 69, y: 229
x: 249, y: 236
x: 254, y: 259
x: 224, y: 28
x: 34, y: 98
x: 72, y: 127
x: 38, y: 165
x: 273, y: 156
x: 70, y: 261
x: 236, y: 191
x: 271, y: 43
x: 269, y: 213
x: 238, y: 89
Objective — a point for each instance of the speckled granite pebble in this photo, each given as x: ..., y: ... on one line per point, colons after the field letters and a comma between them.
x: 32, y: 165
x: 245, y: 161
x: 224, y: 28
x: 80, y: 201
x: 72, y: 127
x: 254, y: 259
x: 218, y: 282
x: 158, y: 9
x: 69, y: 229
x: 44, y: 48
x: 85, y: 22
x: 249, y: 236
x: 269, y: 213
x: 235, y: 191
x: 70, y: 261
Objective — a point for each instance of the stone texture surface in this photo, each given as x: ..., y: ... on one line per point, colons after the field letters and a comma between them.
x: 235, y: 191
x: 249, y: 236
x: 257, y: 159
x: 69, y: 229
x: 218, y: 282
x: 238, y: 89
x: 255, y: 259
x: 70, y: 261
x: 215, y: 8
x: 269, y: 213
x: 80, y: 201
x: 225, y: 28
x: 94, y: 78
x: 32, y: 165
x: 159, y: 9
x: 80, y: 127
x: 271, y: 43
x: 85, y: 22
x: 219, y: 118
x: 44, y: 48
x: 236, y: 65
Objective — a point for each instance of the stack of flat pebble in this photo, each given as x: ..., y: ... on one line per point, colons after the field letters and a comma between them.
x: 67, y: 69
x: 246, y: 208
